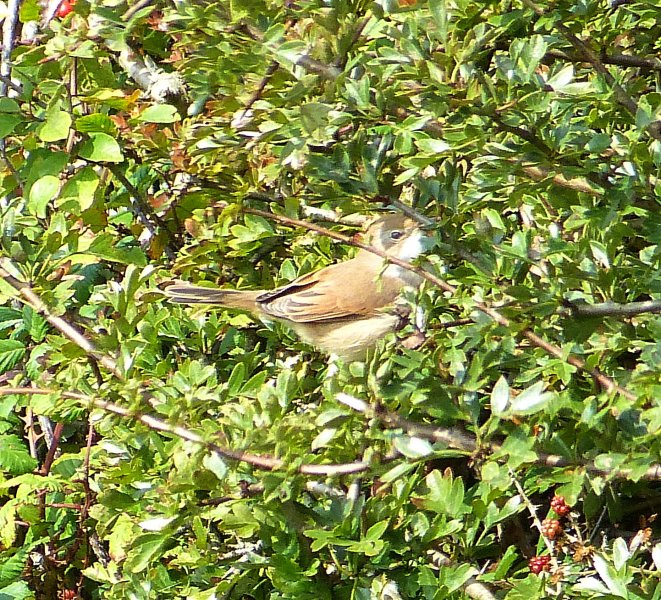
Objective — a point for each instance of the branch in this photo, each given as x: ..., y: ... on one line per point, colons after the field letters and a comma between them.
x: 575, y: 183
x: 27, y: 296
x: 160, y: 85
x: 8, y: 37
x: 533, y: 513
x: 613, y: 309
x: 619, y: 60
x: 266, y: 463
x: 604, y: 380
x: 143, y: 211
x: 457, y: 438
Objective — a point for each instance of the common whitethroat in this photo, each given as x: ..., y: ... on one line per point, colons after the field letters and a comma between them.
x: 340, y: 309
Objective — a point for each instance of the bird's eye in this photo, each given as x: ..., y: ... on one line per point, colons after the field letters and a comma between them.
x: 396, y: 234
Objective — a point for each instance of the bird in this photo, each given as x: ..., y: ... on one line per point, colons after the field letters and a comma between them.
x: 341, y: 309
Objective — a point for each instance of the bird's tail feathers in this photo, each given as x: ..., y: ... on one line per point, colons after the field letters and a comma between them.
x: 193, y: 294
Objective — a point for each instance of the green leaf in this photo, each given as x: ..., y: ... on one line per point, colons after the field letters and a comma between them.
x: 103, y: 247
x: 19, y: 590
x: 610, y: 577
x: 500, y: 397
x: 42, y: 192
x: 214, y: 463
x: 531, y: 400
x: 446, y: 494
x: 159, y: 113
x: 145, y: 549
x: 432, y: 146
x: 11, y: 352
x: 96, y: 123
x: 14, y: 456
x: 8, y: 124
x: 81, y: 188
x: 236, y: 379
x: 412, y: 447
x: 101, y: 148
x: 56, y: 127
x: 8, y: 105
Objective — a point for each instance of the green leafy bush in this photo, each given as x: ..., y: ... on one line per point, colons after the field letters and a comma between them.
x: 153, y: 451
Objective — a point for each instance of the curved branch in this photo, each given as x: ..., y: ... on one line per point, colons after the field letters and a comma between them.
x: 266, y: 463
x: 456, y: 437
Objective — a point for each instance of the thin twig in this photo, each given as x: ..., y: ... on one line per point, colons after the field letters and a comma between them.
x: 453, y: 437
x: 456, y: 437
x: 410, y: 212
x: 8, y: 37
x: 261, y: 86
x: 533, y: 512
x: 606, y: 382
x: 619, y: 60
x: 52, y: 449
x: 143, y: 211
x: 135, y: 8
x: 578, y: 184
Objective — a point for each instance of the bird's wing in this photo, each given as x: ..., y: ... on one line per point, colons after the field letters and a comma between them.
x: 316, y: 297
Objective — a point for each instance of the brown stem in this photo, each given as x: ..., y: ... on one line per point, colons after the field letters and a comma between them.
x: 55, y: 444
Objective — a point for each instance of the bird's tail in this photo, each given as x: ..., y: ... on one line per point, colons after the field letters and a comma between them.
x: 192, y: 294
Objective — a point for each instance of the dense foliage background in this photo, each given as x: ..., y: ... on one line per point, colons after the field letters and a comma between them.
x: 135, y: 135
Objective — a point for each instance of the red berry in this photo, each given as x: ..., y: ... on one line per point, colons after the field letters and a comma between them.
x: 66, y: 6
x: 537, y: 564
x: 559, y: 506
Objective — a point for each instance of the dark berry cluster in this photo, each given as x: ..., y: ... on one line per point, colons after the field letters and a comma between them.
x: 537, y: 564
x: 551, y: 528
x: 559, y: 506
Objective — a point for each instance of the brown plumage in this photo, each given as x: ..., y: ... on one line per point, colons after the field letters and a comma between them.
x: 340, y: 308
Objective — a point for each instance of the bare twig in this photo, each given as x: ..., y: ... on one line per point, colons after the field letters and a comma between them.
x: 138, y: 6
x: 410, y: 212
x: 160, y: 85
x: 606, y: 382
x: 52, y: 449
x: 8, y: 37
x: 257, y: 94
x: 143, y: 211
x: 537, y: 173
x: 453, y: 437
x: 459, y: 439
x: 619, y: 60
